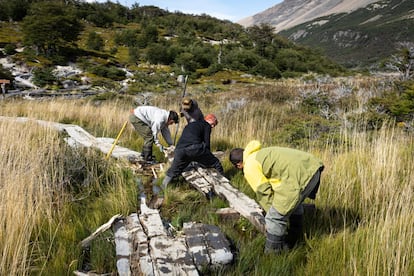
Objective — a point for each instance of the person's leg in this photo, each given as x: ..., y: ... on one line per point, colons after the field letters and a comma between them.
x: 145, y: 132
x: 295, y: 229
x: 179, y: 163
x: 208, y: 160
x: 311, y: 187
x: 276, y: 225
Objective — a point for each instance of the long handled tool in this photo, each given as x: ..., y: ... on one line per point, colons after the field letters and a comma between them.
x: 116, y: 140
x: 183, y: 95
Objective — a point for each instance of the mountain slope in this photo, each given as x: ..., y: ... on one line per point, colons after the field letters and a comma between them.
x: 290, y: 13
x: 351, y: 32
x: 362, y: 37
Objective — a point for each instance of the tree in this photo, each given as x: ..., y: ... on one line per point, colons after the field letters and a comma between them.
x: 262, y: 36
x: 403, y: 62
x: 95, y: 41
x: 50, y: 25
x: 15, y: 10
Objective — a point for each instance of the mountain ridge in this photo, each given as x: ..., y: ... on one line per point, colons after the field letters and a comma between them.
x: 290, y: 13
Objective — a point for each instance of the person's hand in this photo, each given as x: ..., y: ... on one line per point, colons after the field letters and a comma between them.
x: 170, y: 149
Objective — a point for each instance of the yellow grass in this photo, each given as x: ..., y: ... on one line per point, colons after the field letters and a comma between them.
x: 364, y: 224
x: 27, y: 190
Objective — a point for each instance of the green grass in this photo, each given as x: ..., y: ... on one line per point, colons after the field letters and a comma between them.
x: 362, y: 225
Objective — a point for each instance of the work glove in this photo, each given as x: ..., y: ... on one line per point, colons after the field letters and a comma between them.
x: 169, y: 150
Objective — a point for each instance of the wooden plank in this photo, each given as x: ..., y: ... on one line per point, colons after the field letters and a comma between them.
x: 218, y: 246
x: 141, y: 263
x: 207, y: 245
x: 200, y: 178
x: 85, y: 242
x: 5, y: 81
x: 171, y: 257
x: 122, y: 248
x: 193, y: 176
x: 151, y: 221
x: 194, y: 237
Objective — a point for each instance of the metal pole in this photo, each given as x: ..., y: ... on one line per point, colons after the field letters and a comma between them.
x: 116, y: 140
x: 178, y: 124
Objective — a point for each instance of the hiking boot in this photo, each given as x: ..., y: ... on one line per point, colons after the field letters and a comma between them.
x: 156, y: 202
x: 275, y: 244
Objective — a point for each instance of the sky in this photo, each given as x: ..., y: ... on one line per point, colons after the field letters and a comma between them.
x: 232, y: 10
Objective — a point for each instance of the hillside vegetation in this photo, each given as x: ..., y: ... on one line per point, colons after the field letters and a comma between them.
x: 104, y: 39
x: 54, y: 196
x: 365, y: 37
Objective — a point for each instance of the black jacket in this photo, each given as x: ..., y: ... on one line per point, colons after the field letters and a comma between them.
x: 195, y: 133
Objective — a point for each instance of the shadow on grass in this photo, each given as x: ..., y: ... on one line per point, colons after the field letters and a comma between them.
x: 326, y: 221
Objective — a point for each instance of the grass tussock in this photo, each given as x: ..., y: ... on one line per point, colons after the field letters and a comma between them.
x: 52, y: 197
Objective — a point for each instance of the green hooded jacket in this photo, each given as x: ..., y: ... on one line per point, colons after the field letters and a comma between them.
x: 278, y: 175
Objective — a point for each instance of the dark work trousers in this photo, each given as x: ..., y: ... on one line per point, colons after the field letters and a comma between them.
x: 145, y: 132
x: 198, y: 153
x: 276, y: 223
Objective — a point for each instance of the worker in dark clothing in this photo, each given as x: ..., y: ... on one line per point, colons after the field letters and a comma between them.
x: 191, y: 111
x: 193, y: 145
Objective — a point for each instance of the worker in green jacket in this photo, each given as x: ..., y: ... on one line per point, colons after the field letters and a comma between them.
x: 281, y: 178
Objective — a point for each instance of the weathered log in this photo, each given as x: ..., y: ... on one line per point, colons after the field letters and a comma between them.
x: 85, y: 242
x: 207, y: 245
x: 209, y: 179
x: 122, y: 248
x: 80, y: 137
x: 141, y: 263
x: 228, y: 213
x: 169, y: 255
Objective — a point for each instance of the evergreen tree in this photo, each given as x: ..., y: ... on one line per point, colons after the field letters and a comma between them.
x: 50, y: 25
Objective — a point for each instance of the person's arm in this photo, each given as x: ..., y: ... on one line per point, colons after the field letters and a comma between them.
x: 187, y: 116
x: 207, y: 134
x: 165, y: 131
x: 259, y: 183
x: 156, y: 127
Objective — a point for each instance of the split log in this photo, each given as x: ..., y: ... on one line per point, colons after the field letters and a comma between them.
x: 80, y: 137
x: 207, y: 245
x: 141, y: 263
x: 207, y: 180
x: 169, y: 255
x: 122, y: 248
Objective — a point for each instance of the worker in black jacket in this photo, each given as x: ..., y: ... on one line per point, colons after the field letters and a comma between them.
x: 193, y: 145
x: 191, y: 111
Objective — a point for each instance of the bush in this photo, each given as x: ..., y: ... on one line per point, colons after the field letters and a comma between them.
x: 10, y: 49
x: 44, y: 76
x: 95, y: 42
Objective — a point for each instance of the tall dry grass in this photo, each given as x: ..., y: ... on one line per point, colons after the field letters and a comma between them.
x: 363, y: 226
x: 30, y: 191
x: 369, y: 181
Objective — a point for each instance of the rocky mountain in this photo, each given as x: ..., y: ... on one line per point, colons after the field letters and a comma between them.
x: 351, y: 32
x: 290, y: 13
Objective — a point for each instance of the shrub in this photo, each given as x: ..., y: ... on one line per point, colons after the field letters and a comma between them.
x: 43, y: 76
